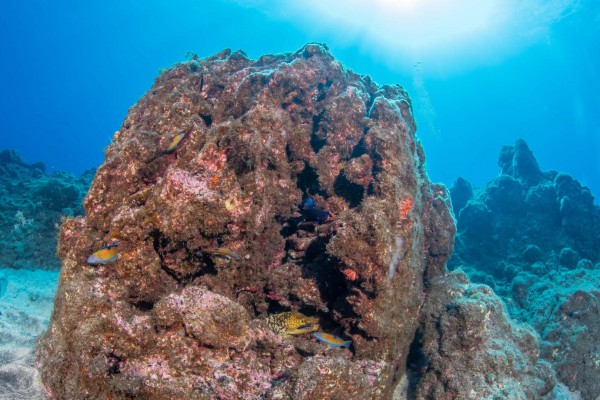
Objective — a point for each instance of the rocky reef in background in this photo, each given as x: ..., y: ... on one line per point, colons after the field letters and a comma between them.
x: 534, y: 237
x: 33, y: 204
x: 170, y: 320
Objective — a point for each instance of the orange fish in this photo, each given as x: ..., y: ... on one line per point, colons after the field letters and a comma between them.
x: 332, y: 340
x: 174, y: 143
x: 104, y: 255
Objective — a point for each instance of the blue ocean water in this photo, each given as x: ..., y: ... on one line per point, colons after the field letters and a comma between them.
x: 480, y: 77
x: 505, y: 70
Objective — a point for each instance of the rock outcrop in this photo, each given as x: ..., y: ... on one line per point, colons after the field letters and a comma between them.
x: 169, y: 319
x: 33, y: 203
x: 473, y: 350
x: 534, y: 237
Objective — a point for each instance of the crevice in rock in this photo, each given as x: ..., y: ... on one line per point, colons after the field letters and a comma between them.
x: 207, y: 119
x: 113, y: 362
x: 317, y: 142
x: 165, y: 247
x: 360, y: 148
x: 308, y: 181
x: 142, y: 305
x: 323, y: 89
x: 352, y: 192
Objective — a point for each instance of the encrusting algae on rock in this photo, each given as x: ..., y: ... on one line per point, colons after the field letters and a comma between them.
x: 263, y: 136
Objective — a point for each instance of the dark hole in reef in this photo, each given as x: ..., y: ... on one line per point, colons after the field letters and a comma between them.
x: 317, y: 264
x: 370, y: 189
x: 308, y: 181
x: 359, y: 149
x: 416, y: 362
x: 316, y: 120
x: 323, y: 88
x: 316, y: 142
x: 241, y: 163
x: 304, y: 353
x: 271, y: 166
x: 288, y: 152
x: 164, y: 247
x: 352, y: 192
x: 114, y: 364
x: 377, y: 160
x: 321, y: 96
x: 207, y: 119
x: 143, y: 305
x: 275, y: 308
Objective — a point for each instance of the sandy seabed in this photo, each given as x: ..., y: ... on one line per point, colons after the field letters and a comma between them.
x: 26, y: 300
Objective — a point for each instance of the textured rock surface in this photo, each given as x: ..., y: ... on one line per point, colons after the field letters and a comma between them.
x: 535, y: 238
x: 167, y: 321
x: 473, y: 350
x: 33, y: 203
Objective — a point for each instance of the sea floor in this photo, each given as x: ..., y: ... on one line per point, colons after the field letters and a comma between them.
x: 26, y: 300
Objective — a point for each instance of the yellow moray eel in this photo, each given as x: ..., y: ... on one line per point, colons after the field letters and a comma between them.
x: 292, y: 323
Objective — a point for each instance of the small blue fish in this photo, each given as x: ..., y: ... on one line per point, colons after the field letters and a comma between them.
x: 311, y: 213
x: 104, y: 255
x: 308, y: 203
x: 332, y: 340
x: 315, y: 215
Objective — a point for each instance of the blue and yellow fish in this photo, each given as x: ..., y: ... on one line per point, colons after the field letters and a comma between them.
x: 222, y: 252
x: 104, y: 255
x: 174, y: 143
x: 332, y: 340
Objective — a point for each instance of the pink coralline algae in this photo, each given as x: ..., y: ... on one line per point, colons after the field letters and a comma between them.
x: 169, y: 319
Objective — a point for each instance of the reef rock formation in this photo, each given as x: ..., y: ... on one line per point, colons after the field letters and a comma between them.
x: 312, y: 179
x: 535, y: 238
x: 473, y: 350
x: 33, y: 203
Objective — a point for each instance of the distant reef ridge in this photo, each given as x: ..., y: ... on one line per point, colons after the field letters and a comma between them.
x: 534, y: 237
x: 33, y: 205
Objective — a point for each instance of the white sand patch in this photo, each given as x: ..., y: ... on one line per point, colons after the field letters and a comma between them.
x: 26, y: 300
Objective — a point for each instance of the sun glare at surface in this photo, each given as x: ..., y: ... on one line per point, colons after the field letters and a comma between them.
x: 450, y: 34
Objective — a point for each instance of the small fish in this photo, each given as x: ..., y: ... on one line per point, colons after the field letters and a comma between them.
x: 222, y: 252
x: 174, y: 143
x: 317, y: 215
x: 308, y: 203
x: 332, y: 340
x: 292, y: 323
x: 104, y: 255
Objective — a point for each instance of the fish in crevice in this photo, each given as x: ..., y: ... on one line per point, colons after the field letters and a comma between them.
x: 292, y: 323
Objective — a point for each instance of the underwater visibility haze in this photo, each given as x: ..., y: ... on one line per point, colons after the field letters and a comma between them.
x: 250, y: 199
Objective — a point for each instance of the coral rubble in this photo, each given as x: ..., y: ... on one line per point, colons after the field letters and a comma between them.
x: 535, y: 238
x: 170, y: 318
x: 33, y: 203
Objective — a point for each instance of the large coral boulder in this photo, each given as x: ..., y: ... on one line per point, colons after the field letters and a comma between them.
x: 170, y: 318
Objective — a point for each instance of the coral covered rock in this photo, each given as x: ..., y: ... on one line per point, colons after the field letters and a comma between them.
x: 535, y: 236
x: 33, y: 203
x: 473, y: 350
x: 298, y: 186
